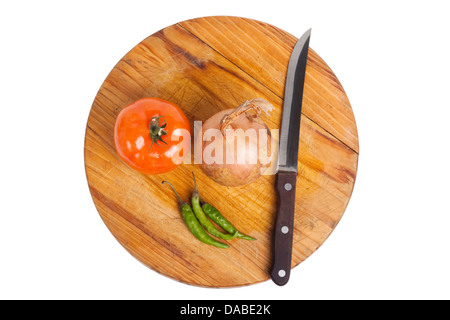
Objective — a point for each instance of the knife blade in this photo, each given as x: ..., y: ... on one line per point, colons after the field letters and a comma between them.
x: 288, y: 160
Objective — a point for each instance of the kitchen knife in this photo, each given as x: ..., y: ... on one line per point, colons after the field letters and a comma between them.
x: 287, y: 161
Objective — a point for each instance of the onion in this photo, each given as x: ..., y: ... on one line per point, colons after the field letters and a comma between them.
x: 235, y: 144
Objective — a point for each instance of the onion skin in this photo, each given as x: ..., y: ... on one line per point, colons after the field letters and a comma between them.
x: 226, y: 170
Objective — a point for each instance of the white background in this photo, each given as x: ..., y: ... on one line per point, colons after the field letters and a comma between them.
x: 392, y: 57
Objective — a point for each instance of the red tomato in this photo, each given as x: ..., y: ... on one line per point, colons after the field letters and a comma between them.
x: 152, y: 135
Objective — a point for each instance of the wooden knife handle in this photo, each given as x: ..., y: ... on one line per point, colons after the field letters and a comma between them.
x: 284, y: 227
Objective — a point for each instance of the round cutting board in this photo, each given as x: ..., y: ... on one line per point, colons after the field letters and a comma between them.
x: 206, y: 65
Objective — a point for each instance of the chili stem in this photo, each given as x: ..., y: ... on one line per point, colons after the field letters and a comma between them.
x: 180, y: 202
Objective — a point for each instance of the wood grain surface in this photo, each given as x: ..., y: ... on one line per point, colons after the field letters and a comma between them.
x: 206, y: 65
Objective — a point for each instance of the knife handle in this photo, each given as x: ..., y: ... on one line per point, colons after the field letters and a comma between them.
x: 284, y: 227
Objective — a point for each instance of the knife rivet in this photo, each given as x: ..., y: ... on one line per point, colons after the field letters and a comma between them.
x: 282, y: 273
x: 284, y: 229
x: 288, y: 186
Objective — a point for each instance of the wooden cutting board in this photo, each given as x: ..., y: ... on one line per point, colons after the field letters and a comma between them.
x: 206, y: 65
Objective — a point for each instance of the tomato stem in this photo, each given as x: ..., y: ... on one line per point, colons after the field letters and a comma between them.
x: 157, y: 131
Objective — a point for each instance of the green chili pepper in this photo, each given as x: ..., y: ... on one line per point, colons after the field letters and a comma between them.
x: 218, y: 218
x: 194, y: 225
x: 198, y: 211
